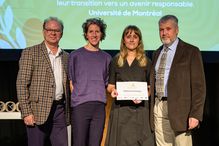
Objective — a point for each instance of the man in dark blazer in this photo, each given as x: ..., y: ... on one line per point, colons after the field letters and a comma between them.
x: 43, y: 88
x: 180, y: 108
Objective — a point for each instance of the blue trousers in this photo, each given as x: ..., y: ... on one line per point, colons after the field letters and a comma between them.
x: 54, y: 128
x: 88, y: 123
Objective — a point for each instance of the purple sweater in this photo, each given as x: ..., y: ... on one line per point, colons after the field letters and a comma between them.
x: 88, y: 71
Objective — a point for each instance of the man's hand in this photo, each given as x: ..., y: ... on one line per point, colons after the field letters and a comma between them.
x: 29, y: 120
x: 193, y: 123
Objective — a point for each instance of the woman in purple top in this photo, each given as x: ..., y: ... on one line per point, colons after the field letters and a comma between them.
x: 88, y: 73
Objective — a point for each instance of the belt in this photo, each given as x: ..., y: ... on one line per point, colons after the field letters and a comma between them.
x: 162, y: 98
x: 61, y: 101
x: 129, y: 103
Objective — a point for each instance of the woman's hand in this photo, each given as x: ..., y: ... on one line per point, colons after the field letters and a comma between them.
x: 149, y: 90
x: 137, y: 101
x: 112, y: 90
x: 114, y: 93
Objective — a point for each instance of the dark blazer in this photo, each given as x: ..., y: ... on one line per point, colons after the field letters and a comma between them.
x: 36, y: 83
x: 186, y: 86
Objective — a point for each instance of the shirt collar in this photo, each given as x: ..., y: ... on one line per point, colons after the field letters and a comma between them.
x: 59, y: 52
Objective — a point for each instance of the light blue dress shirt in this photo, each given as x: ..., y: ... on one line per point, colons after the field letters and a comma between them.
x: 170, y: 56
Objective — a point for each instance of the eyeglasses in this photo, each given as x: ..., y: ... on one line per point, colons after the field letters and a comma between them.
x: 53, y: 30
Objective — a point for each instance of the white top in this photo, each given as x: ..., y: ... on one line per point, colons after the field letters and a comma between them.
x: 56, y: 63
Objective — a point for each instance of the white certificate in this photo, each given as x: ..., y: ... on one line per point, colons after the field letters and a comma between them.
x: 132, y: 90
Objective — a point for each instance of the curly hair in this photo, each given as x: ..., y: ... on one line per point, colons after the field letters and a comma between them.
x: 97, y: 21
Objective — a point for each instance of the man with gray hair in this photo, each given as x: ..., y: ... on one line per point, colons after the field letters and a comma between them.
x: 43, y: 88
x: 177, y: 87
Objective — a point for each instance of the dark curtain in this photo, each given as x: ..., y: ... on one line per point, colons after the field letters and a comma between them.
x: 12, y: 132
x: 208, y: 133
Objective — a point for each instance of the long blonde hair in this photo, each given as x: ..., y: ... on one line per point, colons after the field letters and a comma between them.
x: 140, y: 54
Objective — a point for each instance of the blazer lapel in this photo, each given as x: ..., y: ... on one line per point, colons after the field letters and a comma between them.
x: 46, y: 58
x: 177, y: 56
x: 64, y: 68
x: 157, y: 55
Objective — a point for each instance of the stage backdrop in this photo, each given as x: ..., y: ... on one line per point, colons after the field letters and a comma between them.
x: 21, y: 21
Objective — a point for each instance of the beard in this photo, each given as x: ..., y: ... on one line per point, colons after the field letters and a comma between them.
x: 167, y: 41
